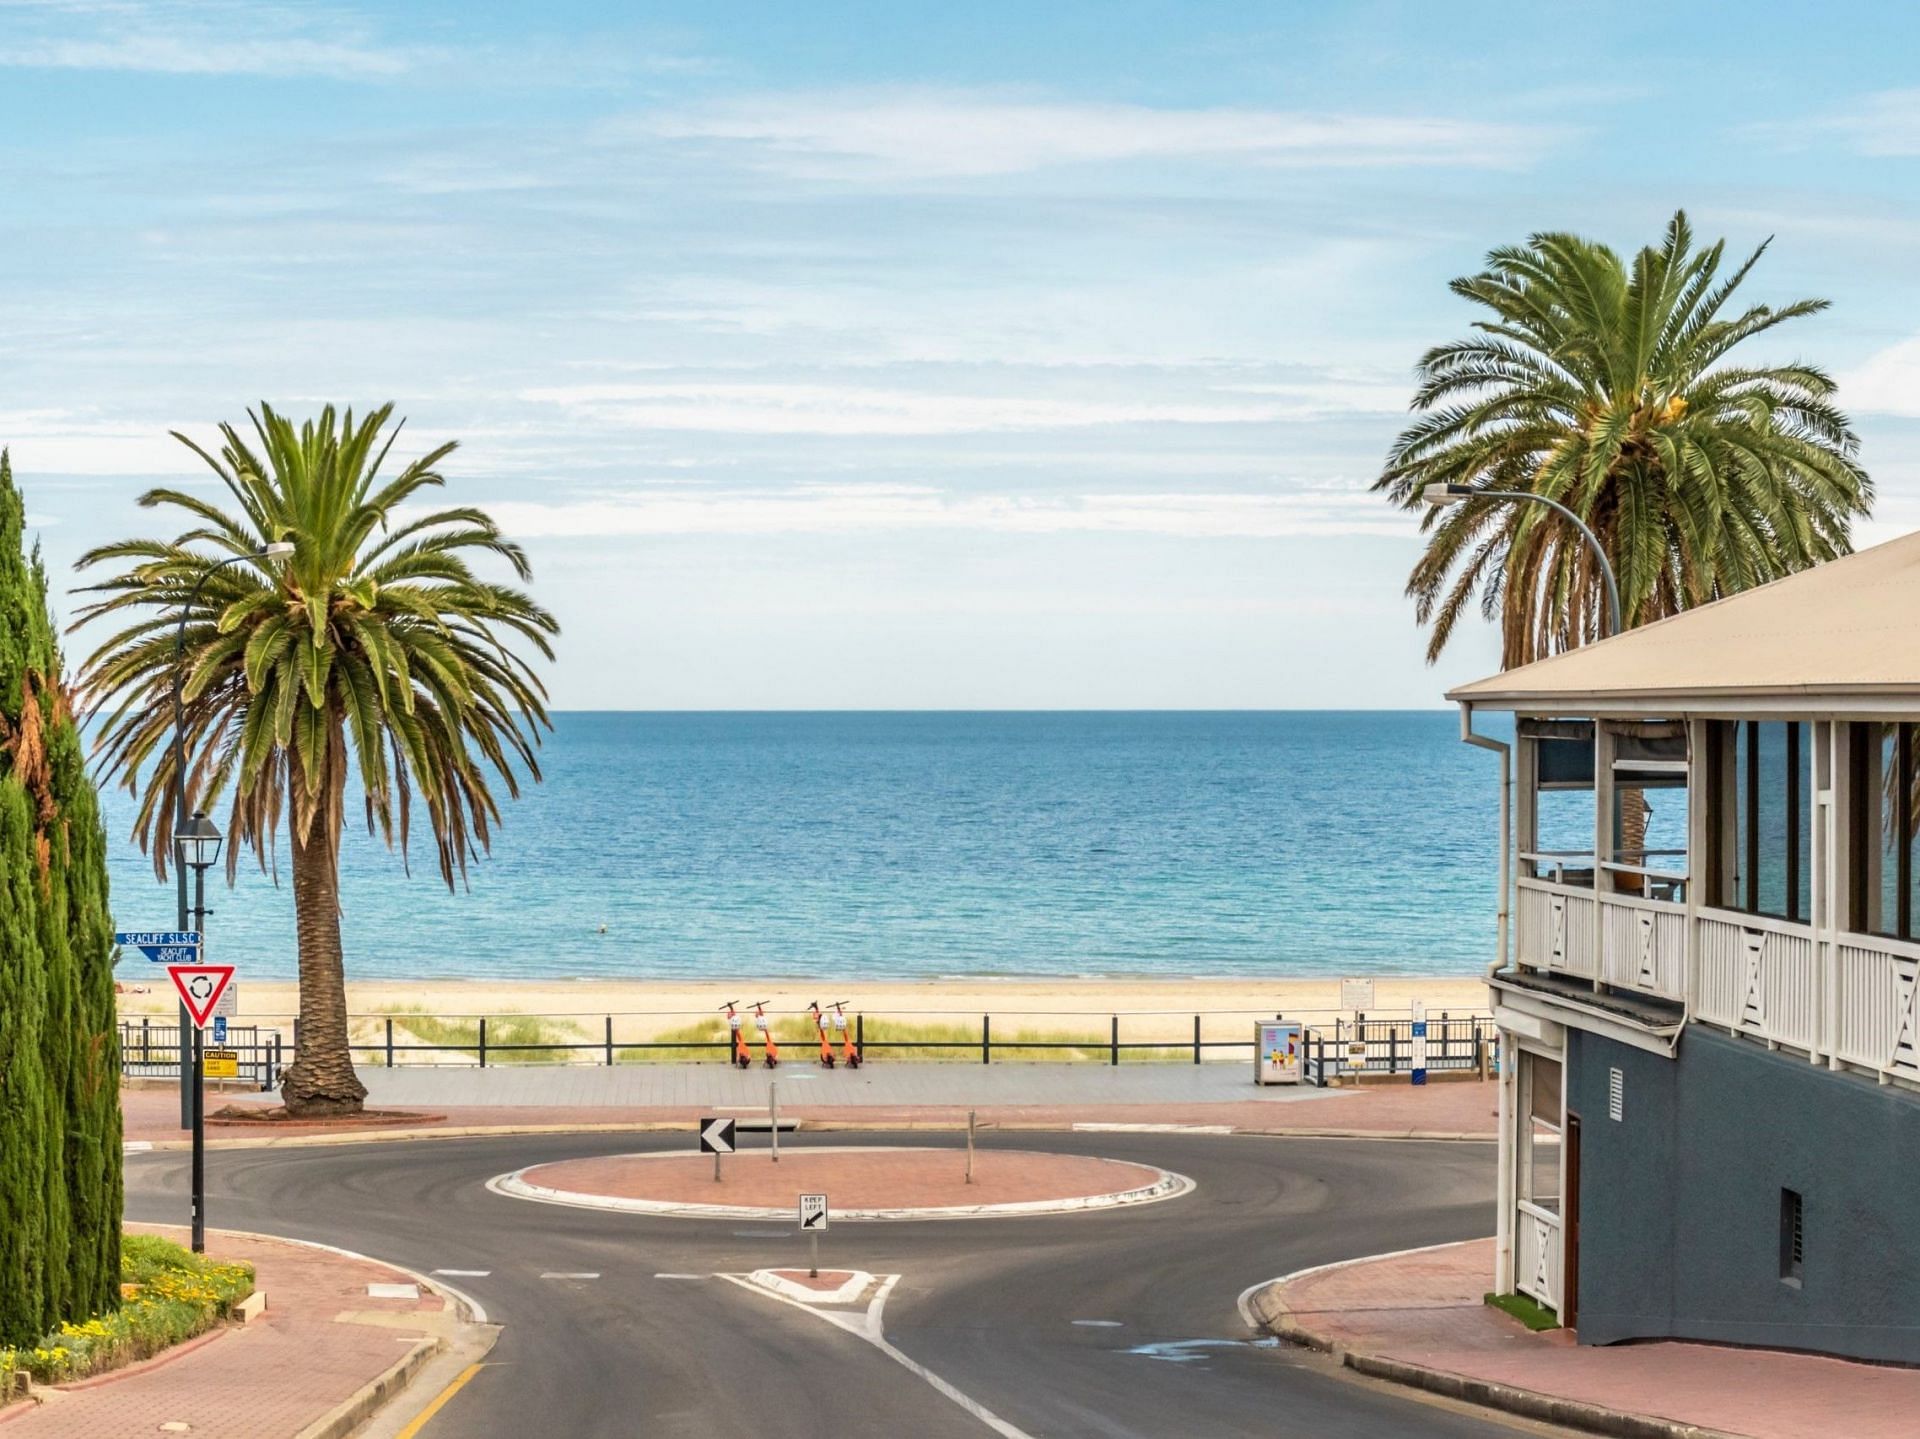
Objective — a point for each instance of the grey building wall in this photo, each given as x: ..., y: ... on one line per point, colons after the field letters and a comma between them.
x: 1680, y: 1199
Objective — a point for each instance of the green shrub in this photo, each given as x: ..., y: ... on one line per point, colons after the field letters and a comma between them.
x: 167, y: 1295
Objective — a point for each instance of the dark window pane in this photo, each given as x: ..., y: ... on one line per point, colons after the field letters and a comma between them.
x: 1770, y: 880
x: 1743, y: 816
x: 1803, y: 841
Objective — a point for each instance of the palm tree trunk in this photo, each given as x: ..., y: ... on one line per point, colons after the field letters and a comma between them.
x: 321, y: 1080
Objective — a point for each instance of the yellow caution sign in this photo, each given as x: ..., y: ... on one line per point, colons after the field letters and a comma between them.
x: 220, y: 1064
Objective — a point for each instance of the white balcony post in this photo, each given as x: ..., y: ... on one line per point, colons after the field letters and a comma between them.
x: 1699, y: 801
x: 1603, y: 832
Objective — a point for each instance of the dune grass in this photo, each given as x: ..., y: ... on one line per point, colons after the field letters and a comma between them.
x: 413, y: 1025
x: 894, y: 1040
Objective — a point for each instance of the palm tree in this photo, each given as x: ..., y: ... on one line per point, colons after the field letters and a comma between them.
x: 1611, y: 391
x: 377, y: 649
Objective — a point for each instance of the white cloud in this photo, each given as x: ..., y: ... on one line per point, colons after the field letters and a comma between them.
x: 1886, y: 122
x: 194, y: 37
x: 1885, y: 383
x: 62, y: 442
x: 812, y: 409
x: 845, y: 508
x: 939, y: 133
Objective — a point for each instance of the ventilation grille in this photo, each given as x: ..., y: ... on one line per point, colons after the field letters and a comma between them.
x: 1616, y: 1095
x: 1792, y: 1236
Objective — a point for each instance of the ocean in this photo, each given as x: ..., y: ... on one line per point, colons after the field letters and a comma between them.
x: 900, y: 845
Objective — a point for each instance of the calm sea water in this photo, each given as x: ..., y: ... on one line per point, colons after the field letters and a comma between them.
x: 881, y: 845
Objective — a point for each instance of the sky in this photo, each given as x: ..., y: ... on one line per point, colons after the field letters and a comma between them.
x: 904, y: 356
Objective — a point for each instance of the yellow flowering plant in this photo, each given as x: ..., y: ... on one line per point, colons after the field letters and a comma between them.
x: 167, y: 1295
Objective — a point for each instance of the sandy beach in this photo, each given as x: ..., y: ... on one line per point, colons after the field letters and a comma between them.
x: 643, y: 1009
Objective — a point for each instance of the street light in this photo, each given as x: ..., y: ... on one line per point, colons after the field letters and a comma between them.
x: 198, y: 845
x: 1450, y: 494
x: 200, y: 837
x: 199, y: 842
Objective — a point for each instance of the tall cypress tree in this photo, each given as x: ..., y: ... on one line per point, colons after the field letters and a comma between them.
x: 60, y: 1154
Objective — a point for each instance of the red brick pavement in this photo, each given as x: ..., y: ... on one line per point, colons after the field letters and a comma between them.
x: 1426, y: 1309
x: 856, y: 1179
x: 1461, y: 1107
x: 271, y: 1378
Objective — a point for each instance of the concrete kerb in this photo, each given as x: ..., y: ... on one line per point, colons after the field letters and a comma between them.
x: 1264, y: 1307
x: 516, y: 1186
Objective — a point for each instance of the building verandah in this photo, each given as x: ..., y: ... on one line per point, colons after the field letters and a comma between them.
x: 1751, y: 873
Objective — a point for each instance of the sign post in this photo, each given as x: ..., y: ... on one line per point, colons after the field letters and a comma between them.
x: 172, y: 946
x: 1419, y: 1038
x: 813, y: 1220
x: 199, y: 987
x: 716, y: 1138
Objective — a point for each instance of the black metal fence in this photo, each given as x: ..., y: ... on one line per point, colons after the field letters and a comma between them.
x: 393, y: 1045
x: 1332, y: 1048
x: 1385, y: 1046
x: 150, y: 1049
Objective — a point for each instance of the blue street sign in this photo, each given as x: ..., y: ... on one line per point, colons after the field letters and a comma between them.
x: 163, y: 946
x: 219, y: 1029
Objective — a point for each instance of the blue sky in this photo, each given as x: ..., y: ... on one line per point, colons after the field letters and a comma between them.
x: 898, y: 355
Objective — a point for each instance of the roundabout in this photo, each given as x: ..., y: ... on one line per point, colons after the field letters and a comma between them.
x: 1114, y: 1322
x: 864, y: 1182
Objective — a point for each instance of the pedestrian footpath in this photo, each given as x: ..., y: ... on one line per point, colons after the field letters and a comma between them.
x: 320, y: 1349
x: 1420, y: 1317
x: 904, y: 1096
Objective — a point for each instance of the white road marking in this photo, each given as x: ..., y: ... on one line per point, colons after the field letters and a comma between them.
x: 870, y: 1326
x: 393, y: 1291
x: 136, y: 1146
x: 1097, y: 1323
x: 1090, y: 1128
x: 464, y: 1273
x: 679, y: 1276
x: 585, y: 1274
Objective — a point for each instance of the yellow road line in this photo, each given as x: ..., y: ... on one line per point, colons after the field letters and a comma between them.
x: 439, y: 1401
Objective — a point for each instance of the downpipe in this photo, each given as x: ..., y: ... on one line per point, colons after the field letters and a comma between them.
x: 1505, y: 751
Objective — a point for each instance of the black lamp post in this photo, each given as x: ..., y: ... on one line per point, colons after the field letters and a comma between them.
x: 198, y: 842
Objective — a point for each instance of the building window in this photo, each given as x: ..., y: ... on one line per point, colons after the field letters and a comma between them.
x: 1883, y: 764
x: 1760, y: 779
x: 1539, y: 1168
x: 1560, y: 845
x: 1792, y: 1237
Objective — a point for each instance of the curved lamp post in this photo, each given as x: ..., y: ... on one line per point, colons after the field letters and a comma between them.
x: 196, y: 845
x: 1438, y: 495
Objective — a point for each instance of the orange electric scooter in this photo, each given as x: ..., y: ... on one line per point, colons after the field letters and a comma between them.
x: 820, y: 1028
x: 742, y: 1054
x: 766, y: 1035
x: 847, y: 1050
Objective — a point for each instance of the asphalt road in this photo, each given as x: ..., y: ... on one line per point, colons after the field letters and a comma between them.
x: 1118, y: 1324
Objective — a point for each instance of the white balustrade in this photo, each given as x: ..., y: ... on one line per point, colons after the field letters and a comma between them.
x: 1554, y: 932
x: 1758, y: 976
x: 1537, y: 1257
x: 1876, y: 982
x: 1643, y: 945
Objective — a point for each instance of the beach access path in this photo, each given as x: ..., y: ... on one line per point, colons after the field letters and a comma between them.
x: 906, y: 1096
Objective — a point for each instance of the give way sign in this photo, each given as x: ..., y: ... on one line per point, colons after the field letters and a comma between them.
x: 200, y: 987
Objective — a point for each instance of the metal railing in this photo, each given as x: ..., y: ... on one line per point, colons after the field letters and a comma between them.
x: 150, y: 1049
x: 1335, y: 1044
x: 1385, y: 1046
